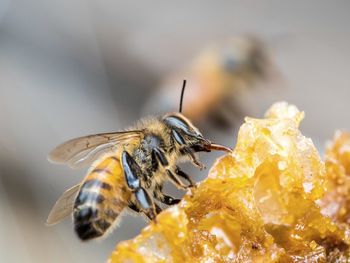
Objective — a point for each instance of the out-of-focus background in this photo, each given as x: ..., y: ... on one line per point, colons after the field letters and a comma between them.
x: 74, y: 67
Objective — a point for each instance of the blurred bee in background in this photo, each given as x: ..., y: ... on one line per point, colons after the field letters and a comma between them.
x: 219, y: 76
x: 128, y: 171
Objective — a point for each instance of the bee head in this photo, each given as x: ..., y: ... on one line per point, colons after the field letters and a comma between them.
x: 185, y: 134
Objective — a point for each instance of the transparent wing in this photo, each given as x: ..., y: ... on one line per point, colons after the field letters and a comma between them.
x: 63, y: 206
x: 82, y: 151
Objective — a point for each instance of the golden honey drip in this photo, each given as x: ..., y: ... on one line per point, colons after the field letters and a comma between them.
x: 272, y: 200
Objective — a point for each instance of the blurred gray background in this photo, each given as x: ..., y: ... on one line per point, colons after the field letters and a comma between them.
x: 74, y: 67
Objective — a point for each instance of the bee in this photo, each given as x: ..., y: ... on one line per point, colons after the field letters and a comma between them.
x: 221, y: 75
x: 128, y: 170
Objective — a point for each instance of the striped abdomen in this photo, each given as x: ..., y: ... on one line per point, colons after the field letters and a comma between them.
x: 101, y: 198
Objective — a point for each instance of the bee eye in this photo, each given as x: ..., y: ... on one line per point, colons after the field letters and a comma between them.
x: 177, y: 123
x: 182, y: 128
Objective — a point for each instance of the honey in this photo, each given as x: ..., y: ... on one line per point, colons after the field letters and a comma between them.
x: 272, y: 200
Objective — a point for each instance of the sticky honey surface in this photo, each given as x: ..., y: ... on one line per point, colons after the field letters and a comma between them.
x: 272, y: 200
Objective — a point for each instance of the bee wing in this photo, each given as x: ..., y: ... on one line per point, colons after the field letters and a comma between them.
x: 63, y: 206
x: 82, y: 151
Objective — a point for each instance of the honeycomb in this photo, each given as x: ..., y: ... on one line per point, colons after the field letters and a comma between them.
x: 272, y: 200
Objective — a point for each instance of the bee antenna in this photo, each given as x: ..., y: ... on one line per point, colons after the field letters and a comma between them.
x: 182, y: 95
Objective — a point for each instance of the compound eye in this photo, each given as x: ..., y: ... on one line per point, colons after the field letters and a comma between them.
x: 183, y: 127
x: 176, y: 122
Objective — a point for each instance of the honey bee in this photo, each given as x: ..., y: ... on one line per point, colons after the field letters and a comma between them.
x: 221, y: 75
x: 128, y: 170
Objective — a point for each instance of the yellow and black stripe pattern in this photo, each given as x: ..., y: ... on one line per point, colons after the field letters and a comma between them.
x: 102, y: 197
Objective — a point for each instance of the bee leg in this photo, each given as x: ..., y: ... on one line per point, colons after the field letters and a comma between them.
x: 165, y: 199
x: 137, y: 210
x: 185, y: 176
x: 133, y: 173
x: 134, y: 207
x: 180, y: 140
x: 168, y: 200
x: 158, y: 209
x: 146, y: 203
x: 159, y: 155
x: 175, y: 180
x: 194, y: 159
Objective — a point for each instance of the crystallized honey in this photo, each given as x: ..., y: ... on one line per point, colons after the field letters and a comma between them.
x: 272, y: 200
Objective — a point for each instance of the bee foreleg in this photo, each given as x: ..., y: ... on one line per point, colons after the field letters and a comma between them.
x: 138, y: 210
x: 165, y: 199
x: 158, y: 209
x: 185, y: 176
x: 194, y: 159
x: 175, y: 180
x: 180, y: 140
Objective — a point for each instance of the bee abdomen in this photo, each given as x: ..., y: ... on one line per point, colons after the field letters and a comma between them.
x: 88, y: 229
x: 99, y: 201
x: 90, y: 218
